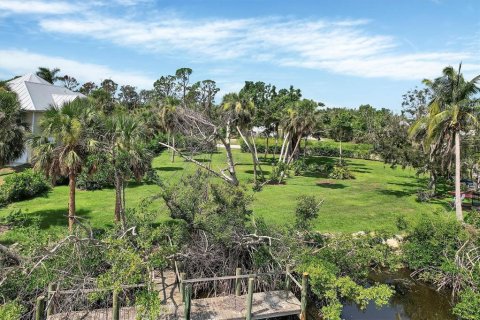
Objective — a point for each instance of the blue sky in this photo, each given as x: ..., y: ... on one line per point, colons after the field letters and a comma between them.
x: 343, y: 52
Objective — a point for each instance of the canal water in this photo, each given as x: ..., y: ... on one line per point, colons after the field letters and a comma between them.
x: 413, y: 300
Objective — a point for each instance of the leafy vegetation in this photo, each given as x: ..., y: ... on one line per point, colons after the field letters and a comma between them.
x: 23, y: 185
x: 213, y: 209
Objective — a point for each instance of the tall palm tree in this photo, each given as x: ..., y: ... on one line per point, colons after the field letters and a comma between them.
x: 12, y: 128
x: 50, y: 75
x: 451, y: 111
x: 123, y: 141
x: 63, y: 145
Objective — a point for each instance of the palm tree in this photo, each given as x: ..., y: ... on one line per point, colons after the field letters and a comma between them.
x: 50, y: 75
x: 299, y: 122
x: 243, y: 110
x: 451, y: 111
x: 12, y: 128
x: 63, y: 145
x: 123, y: 141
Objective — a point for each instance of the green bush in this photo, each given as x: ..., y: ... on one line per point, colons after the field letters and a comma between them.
x: 307, y: 209
x: 98, y: 177
x: 17, y: 218
x: 11, y: 310
x: 341, y: 172
x: 468, y: 307
x: 24, y: 185
x: 433, y: 242
x: 321, y: 148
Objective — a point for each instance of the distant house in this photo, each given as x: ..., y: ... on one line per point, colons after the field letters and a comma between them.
x: 35, y: 96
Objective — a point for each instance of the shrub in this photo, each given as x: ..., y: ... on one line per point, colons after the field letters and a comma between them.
x: 322, y: 148
x: 11, y: 310
x: 24, y: 185
x: 100, y: 176
x: 307, y: 209
x: 433, y: 241
x: 341, y: 172
x: 469, y: 306
x: 424, y: 195
x: 17, y: 218
x: 299, y: 167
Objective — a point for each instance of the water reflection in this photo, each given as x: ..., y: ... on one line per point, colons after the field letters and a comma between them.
x: 413, y: 300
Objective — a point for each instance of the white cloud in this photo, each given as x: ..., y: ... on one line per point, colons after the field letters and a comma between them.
x: 37, y: 7
x: 343, y: 46
x: 339, y: 46
x: 17, y: 62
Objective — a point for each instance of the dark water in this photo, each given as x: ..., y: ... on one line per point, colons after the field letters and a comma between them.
x: 413, y: 300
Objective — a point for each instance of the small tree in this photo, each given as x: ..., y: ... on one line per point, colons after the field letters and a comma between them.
x: 307, y: 209
x: 63, y: 145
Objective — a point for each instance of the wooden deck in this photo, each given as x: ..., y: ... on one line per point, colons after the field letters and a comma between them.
x: 265, y: 305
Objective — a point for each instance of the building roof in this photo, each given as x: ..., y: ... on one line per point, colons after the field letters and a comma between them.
x: 36, y: 94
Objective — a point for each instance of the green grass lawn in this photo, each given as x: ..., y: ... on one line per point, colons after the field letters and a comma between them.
x: 372, y: 201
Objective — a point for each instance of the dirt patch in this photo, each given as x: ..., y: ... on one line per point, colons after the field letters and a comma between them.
x: 4, y: 229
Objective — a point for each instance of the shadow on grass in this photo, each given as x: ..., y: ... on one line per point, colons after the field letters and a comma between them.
x: 408, y: 184
x: 360, y: 170
x: 265, y: 172
x: 356, y: 164
x: 168, y: 168
x: 396, y: 193
x: 59, y: 217
x: 330, y: 185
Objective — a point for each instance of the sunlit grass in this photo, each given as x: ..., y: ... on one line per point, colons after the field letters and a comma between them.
x: 372, y: 201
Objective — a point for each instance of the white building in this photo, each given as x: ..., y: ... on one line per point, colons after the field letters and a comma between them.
x: 35, y: 96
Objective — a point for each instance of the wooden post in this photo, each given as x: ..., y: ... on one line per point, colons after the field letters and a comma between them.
x: 116, y: 306
x: 182, y: 286
x: 303, y: 314
x: 287, y: 280
x: 248, y: 315
x: 40, y: 308
x: 188, y: 301
x: 238, y: 282
x: 50, y: 294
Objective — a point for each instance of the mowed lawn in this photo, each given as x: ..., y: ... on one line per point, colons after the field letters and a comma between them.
x: 372, y: 201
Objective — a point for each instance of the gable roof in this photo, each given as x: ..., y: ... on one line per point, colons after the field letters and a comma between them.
x: 36, y: 94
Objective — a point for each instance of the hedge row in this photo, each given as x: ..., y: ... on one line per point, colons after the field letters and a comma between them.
x: 321, y: 148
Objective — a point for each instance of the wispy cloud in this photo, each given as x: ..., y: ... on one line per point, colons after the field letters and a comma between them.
x: 37, y: 6
x: 19, y: 62
x: 338, y: 46
x: 346, y: 46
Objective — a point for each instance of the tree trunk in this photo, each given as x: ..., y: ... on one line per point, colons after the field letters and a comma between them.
x: 294, y: 151
x: 276, y: 144
x: 305, y: 148
x: 256, y: 158
x: 230, y: 163
x: 283, y: 147
x: 432, y: 184
x: 458, y: 201
x: 71, y: 201
x: 266, y: 148
x: 118, y: 197
x: 173, y: 150
x: 122, y: 209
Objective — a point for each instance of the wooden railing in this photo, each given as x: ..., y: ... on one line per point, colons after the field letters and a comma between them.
x: 45, y: 307
x: 186, y: 288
